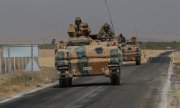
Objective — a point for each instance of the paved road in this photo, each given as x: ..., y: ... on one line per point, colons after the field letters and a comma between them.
x: 141, y: 88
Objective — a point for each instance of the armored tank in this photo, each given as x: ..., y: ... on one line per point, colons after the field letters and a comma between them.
x: 131, y: 51
x: 87, y: 56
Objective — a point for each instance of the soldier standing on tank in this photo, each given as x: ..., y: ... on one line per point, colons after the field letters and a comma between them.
x: 77, y: 29
x: 105, y: 32
x: 60, y: 45
x: 133, y: 40
x: 121, y: 38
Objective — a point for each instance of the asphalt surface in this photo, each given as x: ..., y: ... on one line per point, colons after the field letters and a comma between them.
x: 141, y: 87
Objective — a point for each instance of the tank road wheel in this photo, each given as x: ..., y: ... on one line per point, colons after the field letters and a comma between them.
x: 115, y: 80
x: 65, y: 82
x: 116, y: 77
x: 138, y: 61
x: 62, y: 82
x: 70, y: 82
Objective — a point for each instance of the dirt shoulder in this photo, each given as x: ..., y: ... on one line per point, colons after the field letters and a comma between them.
x: 174, y: 92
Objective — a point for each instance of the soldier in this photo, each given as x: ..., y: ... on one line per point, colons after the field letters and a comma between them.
x: 61, y: 45
x: 121, y: 38
x: 79, y: 28
x: 85, y: 30
x: 105, y: 32
x: 133, y: 40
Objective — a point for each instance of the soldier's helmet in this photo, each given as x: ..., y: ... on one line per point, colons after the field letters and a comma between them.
x: 106, y: 27
x: 77, y: 20
x: 133, y: 39
x: 120, y: 35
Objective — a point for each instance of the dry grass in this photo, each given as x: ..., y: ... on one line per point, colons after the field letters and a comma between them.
x: 176, y: 60
x: 46, y: 53
x: 175, y: 86
x: 47, y: 61
x: 47, y: 58
x: 14, y: 82
x: 18, y: 81
x: 176, y: 57
x: 177, y: 93
x: 150, y: 53
x: 177, y: 69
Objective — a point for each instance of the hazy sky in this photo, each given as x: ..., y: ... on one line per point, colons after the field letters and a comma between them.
x: 41, y: 20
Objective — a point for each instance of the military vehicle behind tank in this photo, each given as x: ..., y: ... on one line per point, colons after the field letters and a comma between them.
x: 131, y: 51
x: 87, y: 56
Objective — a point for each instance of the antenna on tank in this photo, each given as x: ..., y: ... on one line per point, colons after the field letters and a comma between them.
x: 109, y: 15
x: 135, y: 30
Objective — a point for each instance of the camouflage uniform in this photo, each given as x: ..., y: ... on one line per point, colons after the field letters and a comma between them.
x: 133, y: 40
x: 121, y: 38
x: 105, y: 32
x: 79, y: 28
x: 61, y: 45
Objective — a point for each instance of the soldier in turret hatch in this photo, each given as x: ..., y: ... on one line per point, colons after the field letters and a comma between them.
x: 105, y: 33
x: 79, y: 28
x: 121, y: 38
x: 133, y: 40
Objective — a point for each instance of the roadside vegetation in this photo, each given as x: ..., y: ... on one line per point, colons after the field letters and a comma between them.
x: 160, y: 45
x: 174, y: 93
x: 47, y: 46
x: 19, y: 81
x: 177, y: 69
x: 176, y: 62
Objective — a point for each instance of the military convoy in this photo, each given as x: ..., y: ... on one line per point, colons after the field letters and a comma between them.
x: 93, y: 55
x: 131, y: 51
x: 85, y: 55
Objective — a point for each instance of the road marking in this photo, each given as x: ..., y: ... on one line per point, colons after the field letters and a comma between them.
x: 165, y: 89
